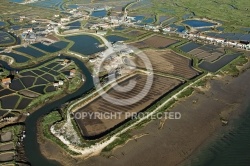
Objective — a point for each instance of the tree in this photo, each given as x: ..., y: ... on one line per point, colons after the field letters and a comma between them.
x: 109, y: 13
x: 60, y: 30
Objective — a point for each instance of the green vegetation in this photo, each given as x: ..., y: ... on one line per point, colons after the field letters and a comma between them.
x: 49, y: 120
x: 8, y: 9
x: 35, y: 83
x: 152, y: 108
x: 34, y: 61
x: 232, y: 68
x: 194, y: 59
x: 122, y: 139
x: 201, y: 83
x: 43, y: 99
x: 186, y: 93
x: 132, y: 38
x: 216, y: 10
x: 3, y: 73
x: 74, y: 83
x: 60, y: 30
x: 46, y: 123
x: 16, y: 130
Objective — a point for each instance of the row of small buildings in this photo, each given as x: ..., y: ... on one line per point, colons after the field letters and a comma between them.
x: 60, y: 83
x: 214, y: 40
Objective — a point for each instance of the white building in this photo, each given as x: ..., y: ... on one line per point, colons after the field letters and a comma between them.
x: 211, y: 39
x: 248, y: 46
x: 167, y: 29
x: 60, y: 83
x: 55, y: 84
x: 65, y: 19
x: 203, y: 37
x: 30, y: 30
x: 102, y: 33
x: 219, y: 40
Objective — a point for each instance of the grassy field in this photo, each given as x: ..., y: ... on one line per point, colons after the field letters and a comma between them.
x: 9, y: 10
x: 233, y: 68
x: 229, y: 11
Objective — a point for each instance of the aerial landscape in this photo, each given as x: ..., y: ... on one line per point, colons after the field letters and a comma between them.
x: 124, y: 82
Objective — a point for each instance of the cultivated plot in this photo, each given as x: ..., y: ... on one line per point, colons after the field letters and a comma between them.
x: 94, y: 127
x: 155, y: 41
x: 169, y: 62
x: 135, y: 33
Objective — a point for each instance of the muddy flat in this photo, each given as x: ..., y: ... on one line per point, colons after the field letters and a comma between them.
x: 178, y: 139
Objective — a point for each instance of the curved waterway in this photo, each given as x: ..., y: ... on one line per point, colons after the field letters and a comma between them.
x: 31, y: 145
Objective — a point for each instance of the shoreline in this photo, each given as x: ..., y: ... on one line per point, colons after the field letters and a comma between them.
x: 236, y: 118
x: 213, y: 140
x: 213, y: 120
x: 97, y: 148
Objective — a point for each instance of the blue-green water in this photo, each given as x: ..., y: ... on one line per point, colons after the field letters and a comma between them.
x: 220, y: 28
x: 115, y: 38
x: 75, y: 24
x: 215, y: 66
x: 18, y: 58
x: 101, y: 13
x: 85, y: 44
x: 2, y: 23
x: 230, y: 36
x: 198, y: 23
x: 50, y: 4
x: 16, y: 27
x: 162, y: 18
x: 17, y: 1
x: 31, y: 146
x: 33, y: 152
x: 178, y: 28
x: 231, y: 148
x: 148, y: 20
x: 55, y: 47
x: 30, y: 51
x: 6, y: 38
x: 138, y: 18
